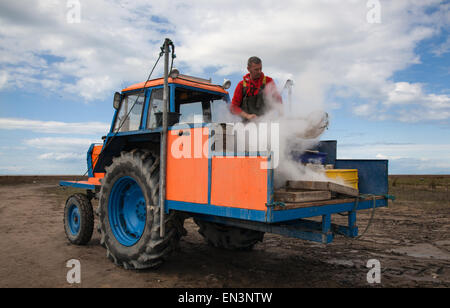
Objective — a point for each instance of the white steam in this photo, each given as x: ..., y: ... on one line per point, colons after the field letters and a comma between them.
x: 302, y: 120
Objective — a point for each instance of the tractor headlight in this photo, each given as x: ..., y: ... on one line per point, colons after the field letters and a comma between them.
x: 226, y: 84
x: 174, y: 73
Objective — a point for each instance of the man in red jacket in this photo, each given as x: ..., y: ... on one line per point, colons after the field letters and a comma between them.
x: 254, y: 94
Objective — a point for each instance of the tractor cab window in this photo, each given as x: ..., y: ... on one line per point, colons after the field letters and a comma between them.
x: 191, y: 113
x: 155, y: 109
x: 220, y: 111
x: 194, y: 105
x: 130, y: 113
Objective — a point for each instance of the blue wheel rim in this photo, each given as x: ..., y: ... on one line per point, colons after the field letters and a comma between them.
x: 127, y: 211
x: 74, y: 219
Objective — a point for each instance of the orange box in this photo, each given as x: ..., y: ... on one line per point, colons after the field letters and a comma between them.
x: 239, y: 182
x: 187, y: 177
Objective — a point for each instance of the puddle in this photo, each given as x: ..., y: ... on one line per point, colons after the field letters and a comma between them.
x: 423, y: 251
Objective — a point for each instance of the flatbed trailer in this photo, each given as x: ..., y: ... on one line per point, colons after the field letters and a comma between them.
x: 216, y: 189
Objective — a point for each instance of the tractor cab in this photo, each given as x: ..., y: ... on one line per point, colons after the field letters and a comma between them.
x: 137, y: 121
x: 191, y: 99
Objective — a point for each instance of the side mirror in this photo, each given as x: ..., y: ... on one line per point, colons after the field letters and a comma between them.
x: 117, y: 99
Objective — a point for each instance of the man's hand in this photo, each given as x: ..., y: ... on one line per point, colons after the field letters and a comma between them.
x: 251, y: 116
x: 248, y: 116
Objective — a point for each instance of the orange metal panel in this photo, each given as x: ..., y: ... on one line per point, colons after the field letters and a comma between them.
x: 96, y: 179
x: 150, y: 83
x: 95, y: 153
x: 239, y: 182
x: 187, y: 166
x: 160, y: 81
x: 200, y: 85
x: 94, y: 157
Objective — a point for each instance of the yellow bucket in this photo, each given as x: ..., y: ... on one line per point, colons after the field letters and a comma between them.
x: 349, y: 176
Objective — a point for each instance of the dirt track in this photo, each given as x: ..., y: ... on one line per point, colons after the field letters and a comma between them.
x: 411, y: 241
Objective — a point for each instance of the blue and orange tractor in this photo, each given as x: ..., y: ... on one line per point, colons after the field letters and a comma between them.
x: 146, y: 189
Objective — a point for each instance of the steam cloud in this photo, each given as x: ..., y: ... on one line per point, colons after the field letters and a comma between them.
x: 302, y: 121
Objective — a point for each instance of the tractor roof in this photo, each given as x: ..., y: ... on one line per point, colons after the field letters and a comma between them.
x: 182, y: 80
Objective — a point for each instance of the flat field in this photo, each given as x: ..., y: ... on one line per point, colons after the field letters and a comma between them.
x: 410, y: 239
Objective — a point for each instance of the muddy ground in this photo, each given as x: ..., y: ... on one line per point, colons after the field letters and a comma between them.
x: 410, y: 239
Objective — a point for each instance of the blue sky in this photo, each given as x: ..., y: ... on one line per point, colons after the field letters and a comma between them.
x: 384, y: 84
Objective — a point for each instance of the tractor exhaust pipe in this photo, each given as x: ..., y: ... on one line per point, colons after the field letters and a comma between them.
x: 163, y: 151
x: 288, y: 85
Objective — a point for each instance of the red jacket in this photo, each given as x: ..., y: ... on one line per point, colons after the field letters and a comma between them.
x: 253, y: 87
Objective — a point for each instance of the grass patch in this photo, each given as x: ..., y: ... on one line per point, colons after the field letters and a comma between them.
x: 427, y: 190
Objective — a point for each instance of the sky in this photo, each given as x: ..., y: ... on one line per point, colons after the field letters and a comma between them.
x: 381, y: 69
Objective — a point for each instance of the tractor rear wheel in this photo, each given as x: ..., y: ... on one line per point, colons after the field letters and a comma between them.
x: 129, y: 213
x: 78, y: 219
x: 228, y: 237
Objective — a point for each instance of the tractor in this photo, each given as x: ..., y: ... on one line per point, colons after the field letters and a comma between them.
x: 146, y: 190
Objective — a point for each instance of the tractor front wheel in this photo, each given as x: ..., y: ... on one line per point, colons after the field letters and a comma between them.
x: 78, y: 219
x: 129, y: 213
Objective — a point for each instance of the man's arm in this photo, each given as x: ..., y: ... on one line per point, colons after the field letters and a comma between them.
x: 237, y: 100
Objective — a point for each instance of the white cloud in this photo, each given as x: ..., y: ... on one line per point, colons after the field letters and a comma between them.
x: 442, y: 48
x: 54, y: 127
x: 417, y: 105
x: 370, y: 150
x: 12, y: 169
x: 412, y: 93
x: 87, y: 58
x: 65, y: 150
x: 405, y: 93
x: 46, y: 155
x: 393, y: 150
x: 405, y: 102
x: 407, y: 158
x: 3, y: 79
x: 60, y: 143
x: 62, y: 156
x: 365, y: 109
x: 320, y: 44
x: 382, y: 156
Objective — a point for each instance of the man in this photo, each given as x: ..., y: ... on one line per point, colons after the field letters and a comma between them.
x: 254, y: 94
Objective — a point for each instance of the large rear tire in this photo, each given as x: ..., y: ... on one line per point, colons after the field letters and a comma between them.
x: 228, y: 237
x: 129, y: 213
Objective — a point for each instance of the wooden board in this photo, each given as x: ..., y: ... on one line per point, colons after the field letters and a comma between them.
x: 301, y: 196
x: 318, y: 185
x: 289, y: 206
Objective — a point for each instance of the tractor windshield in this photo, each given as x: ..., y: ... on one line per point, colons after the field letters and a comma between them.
x: 190, y: 106
x: 198, y: 106
x: 129, y: 113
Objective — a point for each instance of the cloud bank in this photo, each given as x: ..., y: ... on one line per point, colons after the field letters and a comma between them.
x: 54, y: 127
x: 324, y: 46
